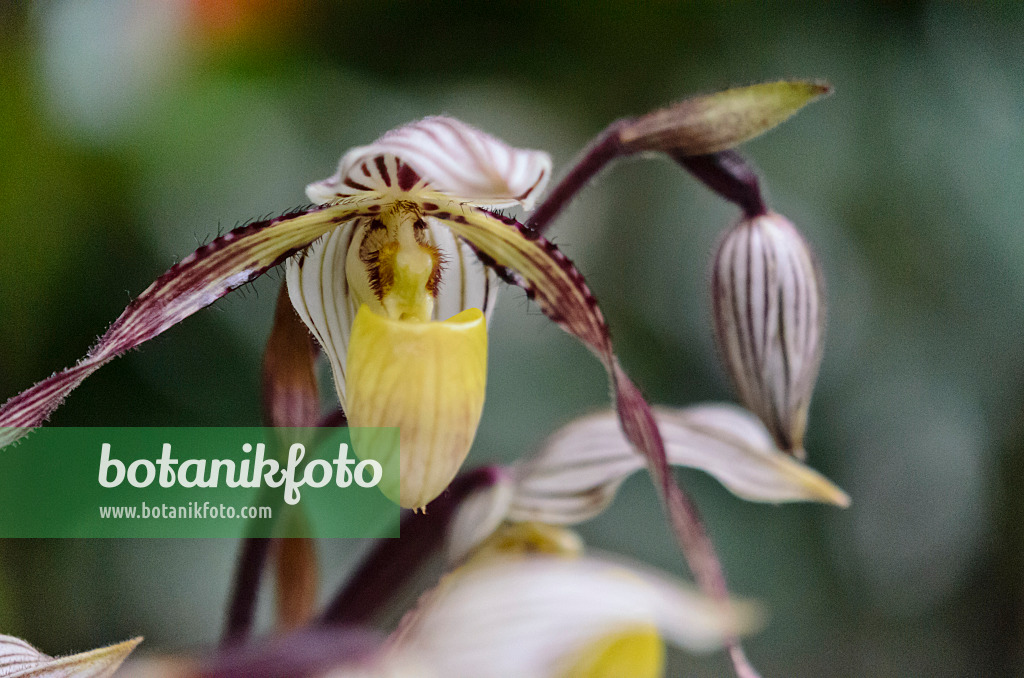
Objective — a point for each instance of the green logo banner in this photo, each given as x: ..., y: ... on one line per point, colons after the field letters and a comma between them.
x: 201, y: 482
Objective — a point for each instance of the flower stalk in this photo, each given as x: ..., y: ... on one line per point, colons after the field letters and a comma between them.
x: 693, y: 132
x: 393, y: 562
x: 290, y: 400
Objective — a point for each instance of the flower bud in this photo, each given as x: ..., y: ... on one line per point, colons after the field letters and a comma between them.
x: 769, y: 306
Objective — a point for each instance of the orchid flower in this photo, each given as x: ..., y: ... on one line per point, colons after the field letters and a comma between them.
x: 393, y: 271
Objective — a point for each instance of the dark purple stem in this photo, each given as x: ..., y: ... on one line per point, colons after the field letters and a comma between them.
x: 242, y: 608
x: 730, y: 176
x: 335, y: 419
x: 309, y: 652
x: 394, y: 561
x: 726, y: 173
x: 289, y: 399
x: 605, y: 148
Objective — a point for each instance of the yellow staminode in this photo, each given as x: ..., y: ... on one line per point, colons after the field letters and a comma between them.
x: 426, y: 378
x: 637, y: 652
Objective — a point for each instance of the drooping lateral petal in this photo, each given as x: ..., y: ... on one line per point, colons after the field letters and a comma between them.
x: 530, y: 261
x: 580, y: 468
x: 715, y: 122
x: 197, y: 281
x: 18, y: 659
x: 426, y: 378
x: 534, y: 264
x: 319, y: 289
x: 526, y: 618
x: 446, y: 154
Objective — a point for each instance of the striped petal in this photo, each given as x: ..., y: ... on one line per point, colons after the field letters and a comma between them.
x: 522, y: 257
x: 426, y: 378
x: 319, y: 289
x: 18, y: 659
x: 465, y: 281
x: 531, y: 262
x: 768, y: 298
x: 197, y: 281
x: 580, y: 468
x: 446, y: 154
x: 531, y: 618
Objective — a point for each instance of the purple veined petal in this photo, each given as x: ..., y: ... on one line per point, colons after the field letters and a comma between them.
x: 319, y: 289
x: 579, y: 469
x: 465, y: 281
x: 319, y: 292
x: 549, y: 278
x: 534, y: 264
x: 446, y: 154
x: 18, y: 659
x: 197, y: 281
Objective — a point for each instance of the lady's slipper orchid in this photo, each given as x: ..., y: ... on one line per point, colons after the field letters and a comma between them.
x: 511, y: 615
x: 397, y: 303
x: 404, y: 248
x: 403, y: 245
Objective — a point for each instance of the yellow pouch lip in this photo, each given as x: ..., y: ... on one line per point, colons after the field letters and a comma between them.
x: 428, y: 378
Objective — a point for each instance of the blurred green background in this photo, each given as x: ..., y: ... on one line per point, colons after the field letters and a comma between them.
x: 133, y: 130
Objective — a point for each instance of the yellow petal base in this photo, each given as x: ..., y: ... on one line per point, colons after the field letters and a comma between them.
x: 512, y: 540
x: 426, y: 378
x: 637, y: 653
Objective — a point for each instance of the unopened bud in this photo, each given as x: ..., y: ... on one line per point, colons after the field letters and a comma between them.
x: 769, y: 304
